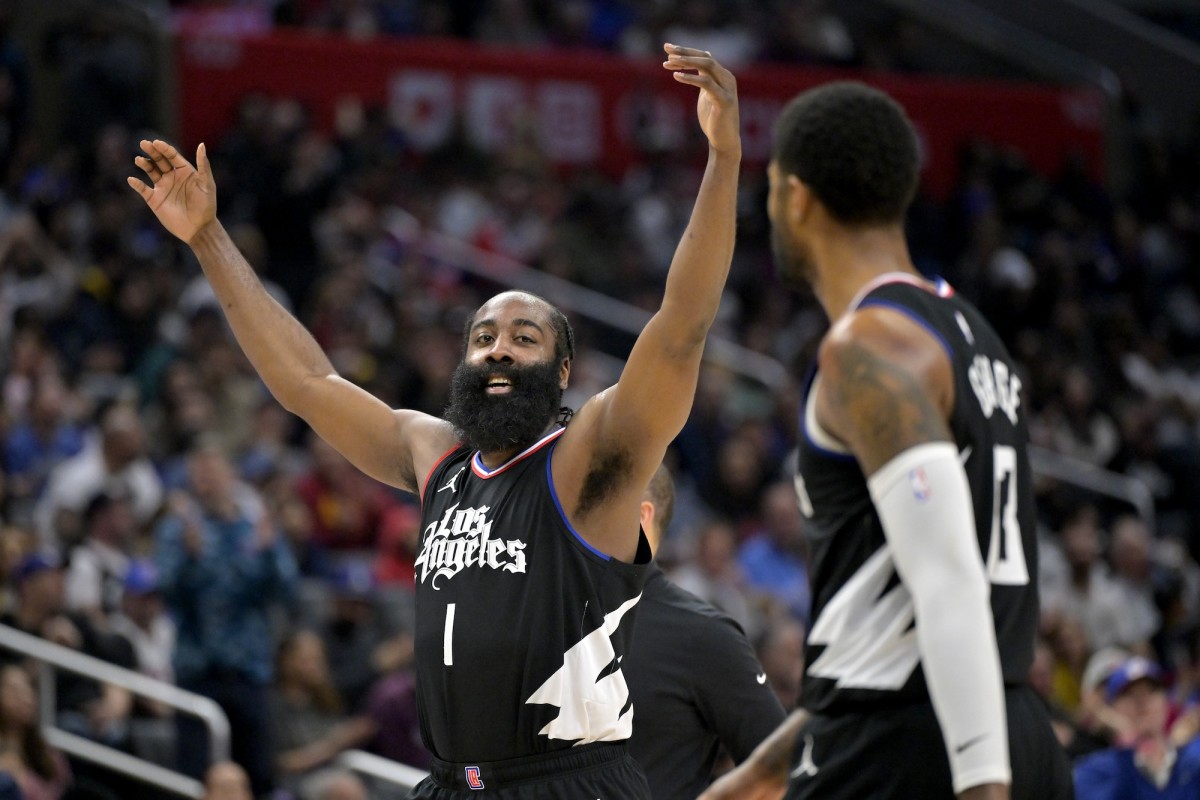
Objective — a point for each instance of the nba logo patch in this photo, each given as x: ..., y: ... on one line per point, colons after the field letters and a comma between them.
x: 920, y: 484
x: 473, y: 779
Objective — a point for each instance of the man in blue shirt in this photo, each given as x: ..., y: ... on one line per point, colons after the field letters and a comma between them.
x: 1145, y: 765
x: 222, y: 566
x: 773, y: 557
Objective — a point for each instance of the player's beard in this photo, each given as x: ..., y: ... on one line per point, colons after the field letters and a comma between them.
x: 794, y: 262
x: 495, y: 422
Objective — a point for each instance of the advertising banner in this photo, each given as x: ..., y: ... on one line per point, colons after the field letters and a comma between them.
x: 593, y: 109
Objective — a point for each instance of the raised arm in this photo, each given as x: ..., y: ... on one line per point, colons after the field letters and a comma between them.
x: 886, y: 390
x: 392, y: 446
x: 652, y: 400
x: 632, y: 423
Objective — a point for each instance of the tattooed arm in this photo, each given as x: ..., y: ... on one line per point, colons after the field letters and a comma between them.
x: 887, y: 391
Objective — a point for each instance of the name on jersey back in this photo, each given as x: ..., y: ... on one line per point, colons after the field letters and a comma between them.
x: 996, y: 385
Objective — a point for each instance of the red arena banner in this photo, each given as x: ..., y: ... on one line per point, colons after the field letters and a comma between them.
x: 594, y: 109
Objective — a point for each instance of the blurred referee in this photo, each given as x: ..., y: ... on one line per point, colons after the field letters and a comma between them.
x: 695, y: 682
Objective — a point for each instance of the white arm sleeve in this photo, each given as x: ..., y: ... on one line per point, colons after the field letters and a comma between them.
x: 925, y: 506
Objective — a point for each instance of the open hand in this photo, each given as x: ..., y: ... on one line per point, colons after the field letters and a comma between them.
x: 717, y: 106
x: 183, y: 197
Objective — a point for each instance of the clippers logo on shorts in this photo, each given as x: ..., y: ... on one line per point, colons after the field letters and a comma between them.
x: 473, y: 779
x: 461, y: 539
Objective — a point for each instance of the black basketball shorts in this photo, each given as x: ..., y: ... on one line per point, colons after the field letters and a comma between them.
x: 897, y: 753
x: 599, y: 771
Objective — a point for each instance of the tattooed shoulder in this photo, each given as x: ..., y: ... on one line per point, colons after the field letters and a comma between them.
x: 873, y: 397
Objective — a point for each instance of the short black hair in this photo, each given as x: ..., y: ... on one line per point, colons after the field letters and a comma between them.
x: 854, y: 147
x: 564, y: 334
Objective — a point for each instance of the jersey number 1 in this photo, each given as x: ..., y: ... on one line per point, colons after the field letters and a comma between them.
x: 1006, y: 552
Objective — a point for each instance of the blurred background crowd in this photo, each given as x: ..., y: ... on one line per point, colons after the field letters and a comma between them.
x: 160, y: 511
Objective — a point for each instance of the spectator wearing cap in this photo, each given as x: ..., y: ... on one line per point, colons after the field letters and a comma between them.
x: 98, y: 565
x: 1145, y: 764
x: 143, y: 620
x: 223, y: 567
x: 85, y: 706
x: 368, y: 629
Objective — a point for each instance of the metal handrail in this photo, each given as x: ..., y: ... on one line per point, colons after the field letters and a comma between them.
x: 1001, y: 37
x: 402, y: 775
x: 624, y: 316
x: 591, y: 303
x: 1134, y: 26
x: 54, y: 656
x: 1096, y: 479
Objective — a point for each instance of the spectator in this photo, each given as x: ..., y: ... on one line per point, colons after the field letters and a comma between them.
x: 399, y: 540
x: 1088, y: 592
x: 773, y: 558
x: 334, y: 784
x: 223, y: 566
x: 1133, y: 570
x: 310, y: 722
x: 99, y: 564
x: 226, y: 780
x: 34, y: 446
x: 115, y: 458
x: 1145, y: 763
x: 367, y: 630
x: 392, y: 704
x: 142, y: 619
x: 716, y: 578
x: 85, y: 706
x: 40, y: 771
x: 781, y: 653
x: 347, y: 507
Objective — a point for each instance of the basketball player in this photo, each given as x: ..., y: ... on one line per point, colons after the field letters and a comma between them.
x: 531, y: 559
x: 695, y: 681
x: 914, y: 477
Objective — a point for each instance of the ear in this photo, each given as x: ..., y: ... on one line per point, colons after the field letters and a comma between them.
x: 646, y: 518
x: 646, y: 514
x: 564, y: 374
x: 800, y: 201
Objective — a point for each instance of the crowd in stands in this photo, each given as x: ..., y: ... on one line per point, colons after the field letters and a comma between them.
x: 160, y: 511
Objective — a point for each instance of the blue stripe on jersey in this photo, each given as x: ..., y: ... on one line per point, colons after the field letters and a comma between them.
x: 558, y: 505
x: 915, y: 317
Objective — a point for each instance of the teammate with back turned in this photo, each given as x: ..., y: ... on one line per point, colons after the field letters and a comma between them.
x: 914, y: 477
x: 532, y: 559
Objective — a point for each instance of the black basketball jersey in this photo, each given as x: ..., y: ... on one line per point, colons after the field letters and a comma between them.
x: 521, y: 624
x: 862, y: 646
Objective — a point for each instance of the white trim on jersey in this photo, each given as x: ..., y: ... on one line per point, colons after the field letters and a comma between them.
x: 482, y: 471
x: 867, y: 637
x: 940, y: 287
x: 819, y: 436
